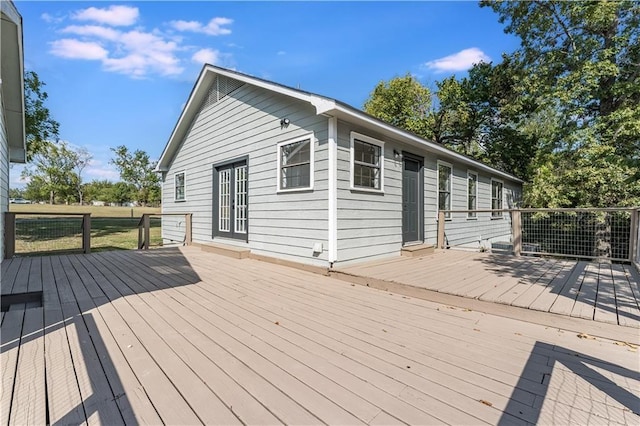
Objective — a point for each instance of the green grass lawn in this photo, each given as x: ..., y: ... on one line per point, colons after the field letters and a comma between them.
x: 112, y: 228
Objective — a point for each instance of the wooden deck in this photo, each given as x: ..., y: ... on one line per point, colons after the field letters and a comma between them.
x: 602, y: 292
x: 180, y: 336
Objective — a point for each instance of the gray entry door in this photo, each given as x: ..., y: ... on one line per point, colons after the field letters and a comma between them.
x: 412, y: 199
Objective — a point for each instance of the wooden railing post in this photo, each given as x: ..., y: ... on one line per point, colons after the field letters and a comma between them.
x: 516, y: 227
x: 9, y: 235
x: 147, y: 232
x: 187, y: 229
x: 633, y: 237
x: 86, y: 233
x: 441, y: 221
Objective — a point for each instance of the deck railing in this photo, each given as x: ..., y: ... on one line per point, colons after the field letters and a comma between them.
x: 144, y: 229
x: 34, y: 233
x: 589, y: 233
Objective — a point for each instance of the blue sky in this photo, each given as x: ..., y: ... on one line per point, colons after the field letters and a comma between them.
x: 118, y: 73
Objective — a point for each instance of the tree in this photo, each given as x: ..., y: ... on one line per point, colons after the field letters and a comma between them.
x: 52, y: 172
x: 40, y: 127
x: 82, y: 159
x: 403, y: 102
x: 581, y: 62
x: 136, y: 169
x: 16, y: 193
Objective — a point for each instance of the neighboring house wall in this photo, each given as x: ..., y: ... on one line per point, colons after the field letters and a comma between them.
x: 4, y: 175
x: 247, y: 123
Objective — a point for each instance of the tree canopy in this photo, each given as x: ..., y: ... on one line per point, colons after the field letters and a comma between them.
x: 561, y: 112
x: 40, y: 127
x: 136, y: 169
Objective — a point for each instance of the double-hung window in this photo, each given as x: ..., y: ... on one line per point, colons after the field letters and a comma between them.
x: 445, y: 172
x: 496, y: 197
x: 472, y: 193
x: 367, y: 163
x: 179, y: 184
x: 295, y: 164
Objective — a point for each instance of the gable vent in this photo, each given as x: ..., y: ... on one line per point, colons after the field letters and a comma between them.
x: 220, y: 88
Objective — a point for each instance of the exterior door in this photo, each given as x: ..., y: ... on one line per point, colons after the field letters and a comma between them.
x: 412, y: 199
x: 230, y: 200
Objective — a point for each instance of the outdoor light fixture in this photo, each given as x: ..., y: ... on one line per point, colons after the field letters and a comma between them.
x: 284, y: 122
x: 396, y: 154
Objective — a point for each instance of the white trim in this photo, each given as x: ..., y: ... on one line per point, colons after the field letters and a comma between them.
x: 184, y: 182
x: 438, y: 164
x: 312, y: 148
x: 499, y: 215
x: 333, y: 189
x: 475, y: 215
x: 372, y: 141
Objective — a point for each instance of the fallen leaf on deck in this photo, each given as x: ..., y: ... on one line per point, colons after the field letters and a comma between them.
x: 277, y: 323
x: 486, y: 402
x: 518, y: 334
x: 467, y: 310
x: 384, y: 330
x: 585, y: 336
x: 630, y: 345
x: 451, y: 307
x: 476, y: 329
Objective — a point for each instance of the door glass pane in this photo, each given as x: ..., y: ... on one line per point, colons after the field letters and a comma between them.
x: 241, y: 200
x: 224, y: 200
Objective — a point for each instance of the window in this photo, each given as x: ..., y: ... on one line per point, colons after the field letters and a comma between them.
x: 367, y: 163
x: 178, y: 181
x: 295, y: 164
x: 444, y: 187
x: 496, y: 197
x: 472, y: 193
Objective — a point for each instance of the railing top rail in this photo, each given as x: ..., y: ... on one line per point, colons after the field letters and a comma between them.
x: 49, y: 214
x: 547, y: 210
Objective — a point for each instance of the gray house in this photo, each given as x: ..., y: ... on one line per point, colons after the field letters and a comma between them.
x: 301, y: 177
x: 12, y: 135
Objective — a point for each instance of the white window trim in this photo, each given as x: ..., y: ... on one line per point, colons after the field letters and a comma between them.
x: 472, y: 172
x: 184, y: 174
x: 500, y: 215
x: 373, y: 141
x: 312, y: 143
x: 438, y: 164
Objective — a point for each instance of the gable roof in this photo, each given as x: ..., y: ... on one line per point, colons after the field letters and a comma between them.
x: 12, y: 79
x: 322, y: 104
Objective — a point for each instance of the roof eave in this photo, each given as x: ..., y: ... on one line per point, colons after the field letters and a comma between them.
x: 12, y: 80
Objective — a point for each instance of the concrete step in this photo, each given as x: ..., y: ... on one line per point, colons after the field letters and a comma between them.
x: 225, y: 250
x: 418, y: 250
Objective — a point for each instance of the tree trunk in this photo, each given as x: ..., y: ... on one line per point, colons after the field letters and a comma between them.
x: 602, y: 241
x: 51, y: 197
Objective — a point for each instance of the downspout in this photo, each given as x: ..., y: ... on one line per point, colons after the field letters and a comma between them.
x: 333, y: 190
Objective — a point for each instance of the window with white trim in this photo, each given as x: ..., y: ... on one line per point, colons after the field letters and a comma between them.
x: 496, y: 197
x: 472, y: 193
x: 445, y: 172
x: 179, y: 186
x: 367, y: 163
x: 295, y: 164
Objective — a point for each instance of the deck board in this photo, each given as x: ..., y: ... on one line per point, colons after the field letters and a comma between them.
x: 181, y: 336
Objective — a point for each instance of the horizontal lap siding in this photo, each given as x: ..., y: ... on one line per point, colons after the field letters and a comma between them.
x: 459, y: 230
x: 247, y: 122
x: 369, y: 224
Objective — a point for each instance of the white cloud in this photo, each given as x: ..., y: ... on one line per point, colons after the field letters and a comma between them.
x: 93, y: 30
x: 214, y: 27
x: 113, y: 15
x: 135, y: 53
x: 460, y: 61
x: 76, y: 49
x: 97, y: 170
x: 281, y: 53
x: 206, y: 56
